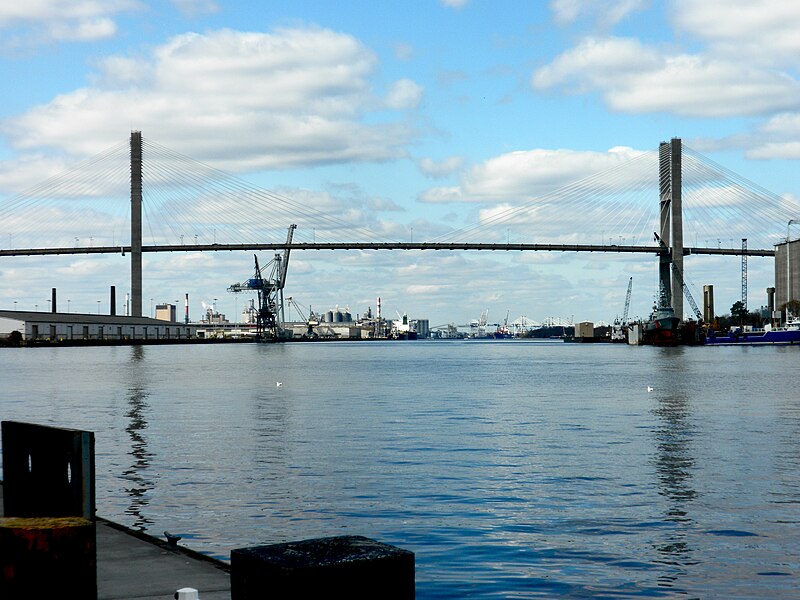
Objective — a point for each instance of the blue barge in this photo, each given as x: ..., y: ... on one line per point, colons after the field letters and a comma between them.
x: 787, y: 334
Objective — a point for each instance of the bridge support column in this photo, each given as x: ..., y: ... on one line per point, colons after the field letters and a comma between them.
x: 676, y: 183
x: 136, y: 223
x: 665, y: 259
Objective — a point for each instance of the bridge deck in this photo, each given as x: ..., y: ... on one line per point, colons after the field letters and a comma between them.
x: 385, y: 246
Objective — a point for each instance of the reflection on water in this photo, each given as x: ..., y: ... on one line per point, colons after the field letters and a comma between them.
x: 139, y: 483
x: 674, y: 462
x: 509, y: 469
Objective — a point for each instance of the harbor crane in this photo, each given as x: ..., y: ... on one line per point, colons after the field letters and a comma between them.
x: 619, y: 327
x: 627, y: 301
x: 311, y: 322
x: 269, y: 312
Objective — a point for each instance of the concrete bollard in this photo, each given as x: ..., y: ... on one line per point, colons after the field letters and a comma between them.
x: 47, y: 558
x: 353, y: 567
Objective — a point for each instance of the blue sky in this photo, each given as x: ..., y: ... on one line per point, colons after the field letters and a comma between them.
x: 417, y: 118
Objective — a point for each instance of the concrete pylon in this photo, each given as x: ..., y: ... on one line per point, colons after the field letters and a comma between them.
x: 676, y: 185
x: 136, y: 223
x: 664, y: 259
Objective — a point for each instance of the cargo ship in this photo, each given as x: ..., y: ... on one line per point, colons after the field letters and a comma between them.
x: 789, y: 333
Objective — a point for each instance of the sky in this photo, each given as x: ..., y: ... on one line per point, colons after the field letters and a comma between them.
x: 413, y: 119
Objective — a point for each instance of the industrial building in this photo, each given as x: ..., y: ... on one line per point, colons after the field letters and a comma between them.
x: 87, y: 328
x: 787, y: 273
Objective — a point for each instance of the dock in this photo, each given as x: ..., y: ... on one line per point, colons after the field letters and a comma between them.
x: 136, y: 566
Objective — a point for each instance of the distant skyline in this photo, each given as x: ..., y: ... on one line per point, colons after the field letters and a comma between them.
x: 415, y: 118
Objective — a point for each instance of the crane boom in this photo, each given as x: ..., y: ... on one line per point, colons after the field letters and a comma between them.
x: 285, y: 259
x: 627, y: 301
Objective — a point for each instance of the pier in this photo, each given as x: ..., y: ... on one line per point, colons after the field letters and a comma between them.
x: 135, y: 565
x: 52, y: 542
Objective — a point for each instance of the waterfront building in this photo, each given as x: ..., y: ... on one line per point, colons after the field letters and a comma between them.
x: 34, y: 326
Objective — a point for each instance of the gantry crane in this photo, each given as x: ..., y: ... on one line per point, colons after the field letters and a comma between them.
x: 269, y: 312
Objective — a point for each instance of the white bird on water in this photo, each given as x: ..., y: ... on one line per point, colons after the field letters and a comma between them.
x: 278, y: 383
x: 649, y: 389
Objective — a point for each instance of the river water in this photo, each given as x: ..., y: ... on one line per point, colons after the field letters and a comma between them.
x: 512, y: 469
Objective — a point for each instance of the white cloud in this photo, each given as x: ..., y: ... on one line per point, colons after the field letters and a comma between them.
x: 779, y: 137
x: 454, y: 3
x: 65, y: 20
x: 441, y: 194
x: 763, y: 31
x: 605, y: 12
x: 528, y: 173
x: 83, y: 31
x: 442, y: 168
x: 193, y: 8
x: 636, y: 78
x: 25, y: 171
x: 404, y: 94
x: 238, y: 100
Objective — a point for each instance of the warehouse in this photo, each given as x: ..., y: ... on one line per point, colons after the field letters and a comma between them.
x: 87, y: 328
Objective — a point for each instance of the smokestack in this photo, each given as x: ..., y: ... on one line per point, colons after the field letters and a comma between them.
x: 113, y: 301
x: 186, y: 309
x: 53, y: 300
x: 379, y: 308
x: 771, y: 300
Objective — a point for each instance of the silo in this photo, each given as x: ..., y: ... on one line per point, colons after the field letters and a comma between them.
x: 708, y: 303
x: 787, y: 273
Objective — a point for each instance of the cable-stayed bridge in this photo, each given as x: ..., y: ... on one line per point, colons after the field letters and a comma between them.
x: 140, y: 197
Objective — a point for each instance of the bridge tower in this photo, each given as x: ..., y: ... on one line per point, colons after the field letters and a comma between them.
x: 670, y: 264
x: 676, y: 185
x: 664, y: 258
x: 136, y: 223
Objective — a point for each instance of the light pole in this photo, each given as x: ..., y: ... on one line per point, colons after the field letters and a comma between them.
x: 151, y: 308
x: 68, y: 301
x: 98, y: 307
x: 15, y: 305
